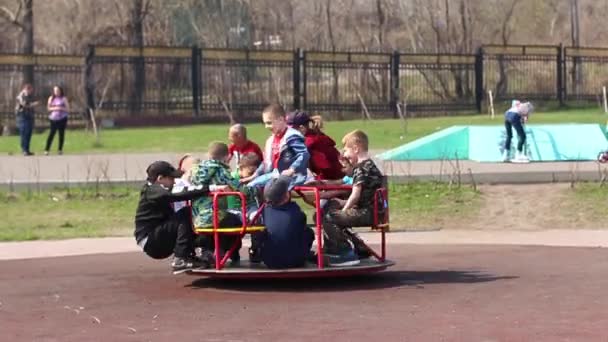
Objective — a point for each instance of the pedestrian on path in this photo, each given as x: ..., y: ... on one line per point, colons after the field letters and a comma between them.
x: 25, y: 115
x: 58, y: 107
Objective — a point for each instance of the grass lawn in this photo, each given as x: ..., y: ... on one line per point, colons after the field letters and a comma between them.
x: 419, y: 206
x: 384, y: 134
x: 588, y: 199
x: 56, y: 214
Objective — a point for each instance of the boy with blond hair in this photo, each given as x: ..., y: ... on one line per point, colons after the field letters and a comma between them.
x: 357, y: 210
x: 285, y: 152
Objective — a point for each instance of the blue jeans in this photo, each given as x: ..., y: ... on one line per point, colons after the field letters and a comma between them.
x: 297, y: 179
x: 521, y: 134
x: 25, y: 125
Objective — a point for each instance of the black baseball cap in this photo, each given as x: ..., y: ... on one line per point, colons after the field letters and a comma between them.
x: 162, y: 168
x: 298, y: 118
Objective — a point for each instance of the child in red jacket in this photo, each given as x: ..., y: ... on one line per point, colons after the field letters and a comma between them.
x: 324, y: 160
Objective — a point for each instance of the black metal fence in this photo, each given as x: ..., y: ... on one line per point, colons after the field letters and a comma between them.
x: 531, y: 72
x: 150, y: 84
x: 45, y: 71
x: 344, y: 82
x: 438, y: 83
x: 132, y: 81
x: 585, y: 72
x: 240, y: 83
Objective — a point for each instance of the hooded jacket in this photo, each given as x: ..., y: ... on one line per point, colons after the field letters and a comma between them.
x: 292, y: 154
x: 324, y: 157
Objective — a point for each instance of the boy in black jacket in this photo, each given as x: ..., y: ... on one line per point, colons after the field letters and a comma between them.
x: 159, y: 231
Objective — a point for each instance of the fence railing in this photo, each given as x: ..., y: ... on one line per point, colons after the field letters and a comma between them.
x: 150, y: 83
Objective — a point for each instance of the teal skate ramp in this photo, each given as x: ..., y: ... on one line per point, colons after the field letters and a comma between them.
x: 564, y: 142
x: 449, y: 143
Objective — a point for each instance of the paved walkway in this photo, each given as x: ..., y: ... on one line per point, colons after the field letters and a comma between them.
x: 433, y: 293
x: 130, y: 168
x: 561, y: 238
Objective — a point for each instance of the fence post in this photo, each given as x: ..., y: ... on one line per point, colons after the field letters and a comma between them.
x: 297, y: 69
x: 560, y: 74
x: 564, y: 73
x: 196, y: 80
x: 394, y: 70
x: 89, y: 81
x: 304, y: 100
x: 479, y: 79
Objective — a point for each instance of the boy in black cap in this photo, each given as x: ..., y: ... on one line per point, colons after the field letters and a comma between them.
x: 159, y: 231
x: 286, y: 241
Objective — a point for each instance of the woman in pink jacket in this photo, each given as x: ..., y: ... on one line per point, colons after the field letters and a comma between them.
x: 58, y: 107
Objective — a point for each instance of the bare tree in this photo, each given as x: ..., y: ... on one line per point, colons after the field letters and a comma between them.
x: 23, y: 19
x: 138, y: 13
x: 332, y: 42
x: 505, y: 34
x: 576, y: 41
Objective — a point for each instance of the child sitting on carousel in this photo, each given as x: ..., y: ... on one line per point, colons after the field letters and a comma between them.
x: 185, y: 165
x: 324, y: 162
x: 285, y: 151
x: 357, y: 210
x: 215, y: 171
x: 247, y: 165
x: 286, y: 241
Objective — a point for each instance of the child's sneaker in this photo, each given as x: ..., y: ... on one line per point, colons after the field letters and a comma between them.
x: 348, y: 258
x: 206, y: 258
x: 521, y: 158
x: 313, y: 258
x: 360, y: 249
x: 180, y: 265
x: 255, y: 256
x: 505, y: 156
x: 362, y: 252
x: 235, y: 258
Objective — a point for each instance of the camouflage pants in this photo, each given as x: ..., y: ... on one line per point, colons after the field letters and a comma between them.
x: 336, y: 221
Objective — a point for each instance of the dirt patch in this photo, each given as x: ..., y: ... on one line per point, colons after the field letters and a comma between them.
x: 530, y: 207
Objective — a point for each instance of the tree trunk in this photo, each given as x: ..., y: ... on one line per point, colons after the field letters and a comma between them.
x: 503, y: 82
x: 28, y: 40
x: 292, y: 25
x: 575, y: 35
x: 136, y: 38
x: 466, y: 42
x: 332, y: 41
x: 381, y: 27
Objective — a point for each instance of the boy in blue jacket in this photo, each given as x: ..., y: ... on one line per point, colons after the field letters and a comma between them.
x: 285, y: 152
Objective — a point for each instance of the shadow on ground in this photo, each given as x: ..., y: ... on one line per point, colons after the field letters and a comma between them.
x: 388, y: 279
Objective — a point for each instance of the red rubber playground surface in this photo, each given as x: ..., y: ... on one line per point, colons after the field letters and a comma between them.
x: 434, y: 293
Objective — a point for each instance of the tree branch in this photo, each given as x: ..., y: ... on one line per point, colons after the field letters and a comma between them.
x: 435, y: 29
x: 11, y: 17
x: 145, y: 11
x: 330, y: 30
x: 506, y: 32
